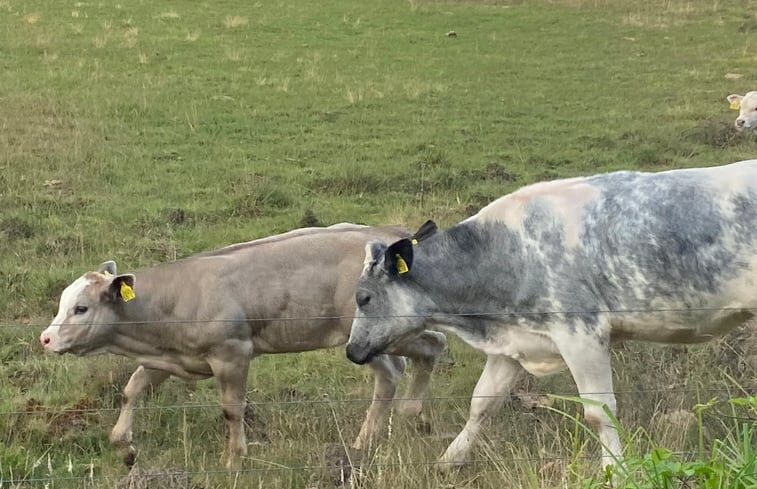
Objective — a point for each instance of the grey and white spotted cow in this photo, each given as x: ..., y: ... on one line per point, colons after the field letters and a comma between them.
x: 747, y: 107
x: 606, y: 251
x: 210, y: 314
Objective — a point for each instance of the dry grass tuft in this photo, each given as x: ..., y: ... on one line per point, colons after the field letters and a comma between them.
x: 171, y: 478
x: 234, y: 21
x: 168, y: 15
x: 31, y: 18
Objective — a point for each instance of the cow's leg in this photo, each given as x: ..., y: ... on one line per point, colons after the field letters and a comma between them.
x: 424, y: 351
x: 230, y: 369
x: 387, y: 371
x: 590, y: 364
x: 121, y: 435
x: 499, y: 374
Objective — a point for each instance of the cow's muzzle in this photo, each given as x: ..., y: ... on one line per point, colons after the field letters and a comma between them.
x: 358, y: 354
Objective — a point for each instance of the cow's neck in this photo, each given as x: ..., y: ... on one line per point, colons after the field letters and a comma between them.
x: 144, y: 321
x: 475, y: 275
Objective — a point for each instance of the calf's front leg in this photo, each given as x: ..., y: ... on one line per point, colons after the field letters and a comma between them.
x: 499, y: 374
x: 121, y: 435
x: 387, y: 371
x: 424, y: 351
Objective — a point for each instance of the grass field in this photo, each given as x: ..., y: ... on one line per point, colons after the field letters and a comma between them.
x: 147, y: 131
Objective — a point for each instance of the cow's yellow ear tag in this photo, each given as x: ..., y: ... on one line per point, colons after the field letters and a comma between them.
x: 414, y: 241
x: 735, y: 105
x: 401, y: 265
x: 127, y: 292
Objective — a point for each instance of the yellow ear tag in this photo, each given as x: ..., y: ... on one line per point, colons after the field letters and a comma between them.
x: 106, y: 273
x: 414, y: 241
x: 401, y: 265
x: 127, y: 292
x: 735, y: 105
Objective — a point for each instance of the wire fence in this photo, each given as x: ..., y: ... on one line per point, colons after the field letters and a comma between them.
x: 744, y: 391
x: 93, y: 478
x: 431, y: 317
x: 480, y: 464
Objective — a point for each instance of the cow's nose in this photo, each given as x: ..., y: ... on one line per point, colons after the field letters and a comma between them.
x: 740, y: 122
x: 357, y: 355
x: 44, y: 339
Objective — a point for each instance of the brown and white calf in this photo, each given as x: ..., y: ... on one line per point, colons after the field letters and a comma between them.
x: 747, y: 107
x: 210, y: 314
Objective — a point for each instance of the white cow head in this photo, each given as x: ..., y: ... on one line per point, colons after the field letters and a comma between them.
x: 87, y: 312
x: 747, y: 107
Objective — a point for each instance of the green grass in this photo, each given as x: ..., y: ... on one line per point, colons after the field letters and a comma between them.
x: 148, y: 131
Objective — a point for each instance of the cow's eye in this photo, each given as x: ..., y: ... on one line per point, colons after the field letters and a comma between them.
x: 80, y: 309
x: 363, y: 299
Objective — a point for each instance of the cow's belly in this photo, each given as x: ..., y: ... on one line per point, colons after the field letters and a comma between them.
x: 535, y: 352
x: 299, y: 336
x: 693, y: 327
x: 187, y: 367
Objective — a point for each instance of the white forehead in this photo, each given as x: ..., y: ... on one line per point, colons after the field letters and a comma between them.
x: 71, y: 293
x: 368, y: 257
x: 749, y: 100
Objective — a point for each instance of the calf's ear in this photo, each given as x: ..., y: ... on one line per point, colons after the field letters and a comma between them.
x: 735, y: 100
x: 107, y: 268
x: 120, y: 288
x: 398, y: 258
x: 427, y: 229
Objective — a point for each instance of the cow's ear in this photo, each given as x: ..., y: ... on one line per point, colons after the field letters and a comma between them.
x: 427, y: 229
x: 735, y: 100
x: 107, y: 268
x: 398, y: 258
x: 121, y: 288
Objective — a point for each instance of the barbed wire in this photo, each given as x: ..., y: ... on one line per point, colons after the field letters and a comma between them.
x: 364, y: 400
x: 279, y: 468
x: 431, y: 317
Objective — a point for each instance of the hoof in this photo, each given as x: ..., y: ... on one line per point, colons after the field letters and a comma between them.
x: 130, y: 458
x: 410, y: 408
x: 423, y: 426
x: 445, y: 465
x: 128, y: 452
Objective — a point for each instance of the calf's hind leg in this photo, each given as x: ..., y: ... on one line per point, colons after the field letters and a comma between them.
x: 121, y: 435
x: 230, y: 368
x: 590, y: 364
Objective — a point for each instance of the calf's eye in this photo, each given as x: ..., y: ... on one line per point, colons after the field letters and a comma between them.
x: 80, y: 309
x: 363, y: 299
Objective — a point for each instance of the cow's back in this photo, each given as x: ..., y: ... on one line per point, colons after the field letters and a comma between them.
x: 681, y: 240
x: 298, y: 292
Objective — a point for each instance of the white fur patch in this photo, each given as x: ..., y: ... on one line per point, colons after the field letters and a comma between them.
x: 50, y: 337
x: 368, y: 257
x: 566, y: 197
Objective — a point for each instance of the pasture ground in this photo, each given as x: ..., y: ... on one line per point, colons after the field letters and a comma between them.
x: 148, y: 131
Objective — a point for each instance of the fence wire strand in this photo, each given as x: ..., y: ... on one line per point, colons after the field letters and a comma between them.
x: 365, y: 400
x: 482, y: 314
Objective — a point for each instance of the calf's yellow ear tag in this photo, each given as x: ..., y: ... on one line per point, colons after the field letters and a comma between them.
x: 414, y: 241
x: 401, y: 265
x: 735, y: 105
x: 127, y: 292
